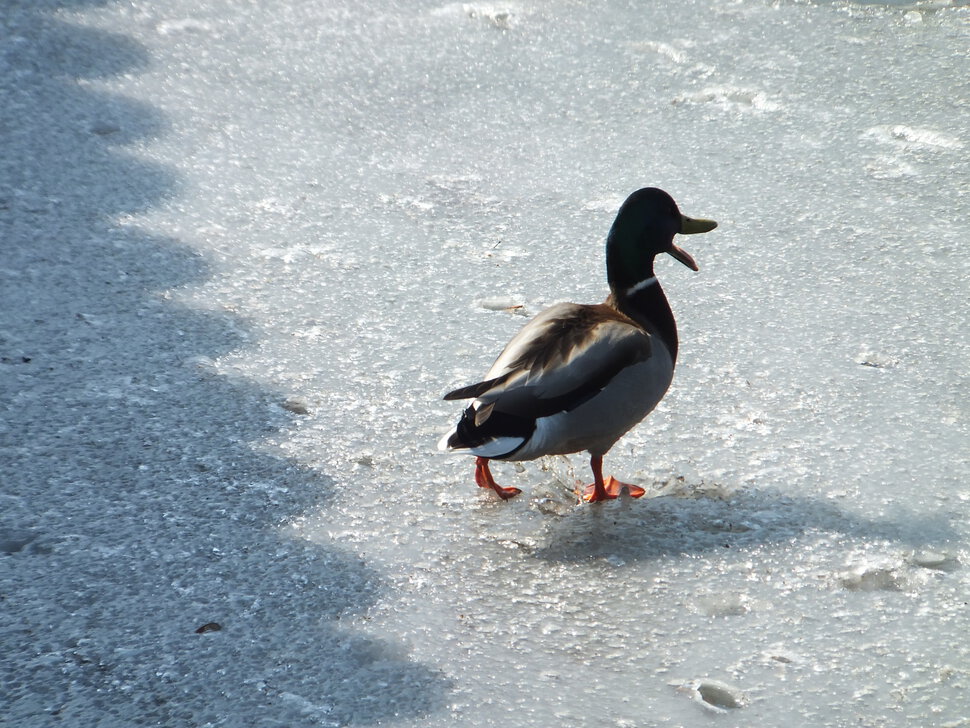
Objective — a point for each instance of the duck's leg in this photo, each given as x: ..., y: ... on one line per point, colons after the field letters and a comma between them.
x: 606, y: 489
x: 483, y: 476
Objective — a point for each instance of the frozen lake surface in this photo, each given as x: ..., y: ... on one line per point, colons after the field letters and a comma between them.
x: 246, y: 247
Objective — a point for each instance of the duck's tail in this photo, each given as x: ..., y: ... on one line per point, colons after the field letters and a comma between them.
x: 487, y: 433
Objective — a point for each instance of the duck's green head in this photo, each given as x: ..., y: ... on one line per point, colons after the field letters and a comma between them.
x: 645, y: 227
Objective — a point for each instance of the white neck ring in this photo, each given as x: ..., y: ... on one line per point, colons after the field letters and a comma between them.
x: 645, y: 283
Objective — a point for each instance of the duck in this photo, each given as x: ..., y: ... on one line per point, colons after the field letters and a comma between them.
x: 577, y: 377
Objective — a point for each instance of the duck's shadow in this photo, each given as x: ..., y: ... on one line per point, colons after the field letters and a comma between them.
x: 712, y: 520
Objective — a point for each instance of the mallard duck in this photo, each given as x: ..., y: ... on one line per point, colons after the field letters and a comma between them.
x: 577, y: 376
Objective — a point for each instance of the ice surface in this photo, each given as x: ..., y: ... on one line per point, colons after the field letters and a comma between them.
x: 247, y: 247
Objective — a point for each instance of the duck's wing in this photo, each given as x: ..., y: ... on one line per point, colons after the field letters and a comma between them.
x: 562, y: 358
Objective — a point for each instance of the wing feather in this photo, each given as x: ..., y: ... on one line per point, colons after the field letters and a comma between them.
x: 560, y: 359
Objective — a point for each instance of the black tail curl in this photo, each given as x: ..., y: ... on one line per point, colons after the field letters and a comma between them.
x: 470, y: 435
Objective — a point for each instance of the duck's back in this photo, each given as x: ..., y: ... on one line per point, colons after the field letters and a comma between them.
x: 597, y: 423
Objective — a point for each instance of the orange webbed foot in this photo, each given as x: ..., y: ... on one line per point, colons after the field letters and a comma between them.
x: 611, y: 489
x: 608, y: 489
x: 484, y: 479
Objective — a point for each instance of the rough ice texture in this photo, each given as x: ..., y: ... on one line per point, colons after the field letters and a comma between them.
x: 246, y: 248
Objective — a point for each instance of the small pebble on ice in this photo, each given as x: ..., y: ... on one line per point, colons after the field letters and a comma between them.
x: 877, y: 360
x: 871, y: 580
x: 297, y: 405
x: 714, y: 695
x: 104, y: 128
x: 499, y: 304
x: 934, y: 560
x: 721, y: 605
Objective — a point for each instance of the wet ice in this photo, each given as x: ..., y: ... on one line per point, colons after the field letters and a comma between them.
x: 251, y: 249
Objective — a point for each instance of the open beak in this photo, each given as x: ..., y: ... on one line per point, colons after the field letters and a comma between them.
x: 690, y: 226
x: 684, y: 257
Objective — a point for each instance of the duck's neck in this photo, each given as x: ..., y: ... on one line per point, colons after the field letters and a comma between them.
x: 645, y: 303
